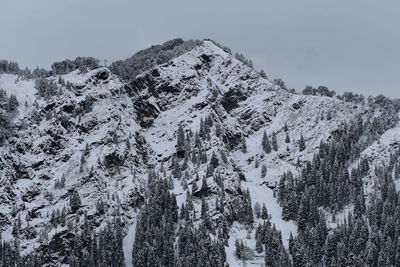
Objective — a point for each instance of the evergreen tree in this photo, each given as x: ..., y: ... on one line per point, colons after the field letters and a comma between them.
x: 75, y: 201
x: 202, y: 131
x: 239, y: 247
x: 257, y: 210
x: 287, y: 139
x: 274, y: 142
x: 13, y: 103
x: 180, y: 142
x: 82, y: 162
x: 244, y: 146
x: 259, y: 245
x: 263, y: 171
x: 285, y: 128
x: 214, y: 160
x: 62, y: 181
x: 266, y: 144
x: 218, y: 130
x: 264, y: 212
x: 263, y: 75
x: 194, y: 186
x: 302, y: 144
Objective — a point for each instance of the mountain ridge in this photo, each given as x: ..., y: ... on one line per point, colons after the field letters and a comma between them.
x: 102, y: 134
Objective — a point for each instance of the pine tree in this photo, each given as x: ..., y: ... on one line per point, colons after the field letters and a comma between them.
x: 287, y: 139
x: 266, y: 144
x: 194, y: 187
x: 127, y: 146
x: 184, y: 182
x: 57, y: 184
x: 329, y: 115
x: 274, y: 142
x: 75, y: 201
x: 302, y: 144
x: 264, y: 212
x: 224, y: 157
x: 244, y: 146
x: 263, y: 75
x: 263, y: 171
x: 204, y: 208
x: 259, y: 245
x: 257, y: 210
x: 204, y: 185
x: 82, y: 162
x: 214, y: 160
x: 62, y: 181
x: 202, y: 131
x: 180, y: 142
x: 13, y: 103
x: 302, y: 215
x: 197, y: 141
x: 209, y: 170
x: 218, y: 129
x: 249, y: 208
x: 285, y: 128
x: 291, y: 243
x: 239, y: 246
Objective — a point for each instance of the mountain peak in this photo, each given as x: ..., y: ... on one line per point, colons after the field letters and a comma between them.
x: 205, y: 73
x: 191, y: 127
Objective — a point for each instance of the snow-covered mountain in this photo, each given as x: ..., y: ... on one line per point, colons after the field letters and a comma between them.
x: 98, y: 136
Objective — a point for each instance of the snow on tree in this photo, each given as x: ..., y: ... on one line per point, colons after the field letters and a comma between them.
x: 274, y: 142
x: 75, y: 201
x: 266, y: 143
x: 263, y: 171
x: 180, y: 142
x: 244, y: 145
x: 302, y: 144
x: 287, y: 138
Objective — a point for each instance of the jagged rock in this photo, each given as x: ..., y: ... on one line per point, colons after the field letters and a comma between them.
x: 102, y: 75
x: 146, y: 112
x: 30, y: 195
x: 232, y: 139
x: 113, y: 160
x: 232, y: 98
x: 58, y: 244
x: 203, y: 192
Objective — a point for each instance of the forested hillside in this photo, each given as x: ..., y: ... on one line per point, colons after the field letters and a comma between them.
x: 185, y: 155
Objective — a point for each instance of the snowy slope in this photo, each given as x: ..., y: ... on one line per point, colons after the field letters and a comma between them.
x: 95, y: 115
x: 23, y: 89
x: 378, y: 154
x: 209, y: 81
x: 129, y: 128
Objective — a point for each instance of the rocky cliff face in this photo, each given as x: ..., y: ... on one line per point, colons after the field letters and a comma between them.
x: 87, y: 135
x: 101, y: 135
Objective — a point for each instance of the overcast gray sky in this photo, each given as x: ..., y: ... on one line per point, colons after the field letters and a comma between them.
x: 344, y: 44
